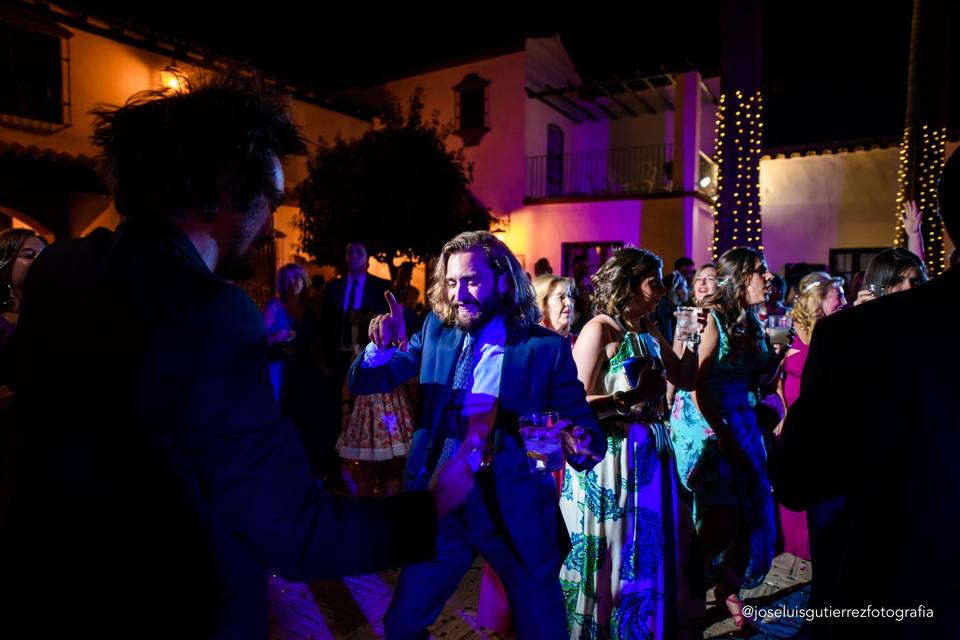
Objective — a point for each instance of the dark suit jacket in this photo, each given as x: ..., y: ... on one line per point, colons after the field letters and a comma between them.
x: 158, y: 481
x: 538, y: 374
x: 371, y: 304
x: 877, y: 424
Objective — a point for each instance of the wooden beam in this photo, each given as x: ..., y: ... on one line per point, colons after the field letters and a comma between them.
x: 659, y: 93
x: 593, y: 101
x: 713, y: 98
x: 636, y: 96
x: 541, y: 98
x: 575, y: 105
x: 615, y: 99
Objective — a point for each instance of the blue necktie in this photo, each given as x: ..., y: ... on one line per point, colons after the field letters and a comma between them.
x: 462, y: 381
x: 463, y: 374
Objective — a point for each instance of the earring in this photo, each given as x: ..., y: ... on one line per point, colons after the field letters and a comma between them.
x: 6, y: 294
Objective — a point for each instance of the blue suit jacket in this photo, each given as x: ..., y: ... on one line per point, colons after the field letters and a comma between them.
x: 538, y: 374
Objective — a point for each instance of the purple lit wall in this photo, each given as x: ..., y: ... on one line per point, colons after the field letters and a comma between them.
x: 539, y: 231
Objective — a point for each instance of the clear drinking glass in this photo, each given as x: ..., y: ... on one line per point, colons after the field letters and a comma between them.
x: 542, y: 441
x: 780, y: 329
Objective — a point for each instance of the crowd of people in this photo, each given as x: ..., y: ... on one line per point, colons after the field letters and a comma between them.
x: 163, y: 434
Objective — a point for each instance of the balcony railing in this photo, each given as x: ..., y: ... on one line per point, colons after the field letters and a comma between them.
x: 612, y: 172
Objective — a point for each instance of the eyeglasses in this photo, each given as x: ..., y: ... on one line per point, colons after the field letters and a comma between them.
x: 276, y: 200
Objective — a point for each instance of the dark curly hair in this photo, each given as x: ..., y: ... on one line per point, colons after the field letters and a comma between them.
x: 617, y: 281
x: 739, y: 320
x: 165, y: 152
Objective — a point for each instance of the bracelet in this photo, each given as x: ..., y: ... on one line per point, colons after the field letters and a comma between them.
x: 618, y: 398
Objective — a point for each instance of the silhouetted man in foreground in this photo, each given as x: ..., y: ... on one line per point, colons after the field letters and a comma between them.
x: 158, y: 482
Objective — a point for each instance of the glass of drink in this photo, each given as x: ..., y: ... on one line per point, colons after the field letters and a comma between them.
x: 876, y: 290
x: 688, y: 325
x: 780, y: 329
x: 542, y: 441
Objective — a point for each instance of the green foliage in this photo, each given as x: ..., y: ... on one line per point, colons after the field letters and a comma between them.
x: 398, y: 189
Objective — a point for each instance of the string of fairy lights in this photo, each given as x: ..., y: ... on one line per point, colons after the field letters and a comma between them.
x: 930, y: 144
x: 739, y: 128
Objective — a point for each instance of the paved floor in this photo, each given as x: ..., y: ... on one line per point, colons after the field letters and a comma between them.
x: 353, y: 608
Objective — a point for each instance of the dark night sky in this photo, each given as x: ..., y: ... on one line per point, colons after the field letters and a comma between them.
x: 827, y: 75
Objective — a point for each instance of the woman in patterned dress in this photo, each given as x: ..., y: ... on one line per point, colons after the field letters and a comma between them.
x: 624, y: 577
x: 718, y: 445
x: 374, y: 439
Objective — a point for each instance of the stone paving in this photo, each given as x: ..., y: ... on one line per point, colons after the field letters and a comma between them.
x: 353, y: 608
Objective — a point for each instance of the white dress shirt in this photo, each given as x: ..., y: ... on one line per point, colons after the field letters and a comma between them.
x: 488, y: 365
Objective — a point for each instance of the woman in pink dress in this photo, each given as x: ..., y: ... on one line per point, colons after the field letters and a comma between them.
x: 819, y: 296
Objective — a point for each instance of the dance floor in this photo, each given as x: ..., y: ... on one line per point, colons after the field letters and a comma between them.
x: 353, y: 608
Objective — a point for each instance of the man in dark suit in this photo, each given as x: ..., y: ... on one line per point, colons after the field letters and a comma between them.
x: 870, y: 449
x: 483, y: 361
x: 348, y: 305
x: 158, y: 483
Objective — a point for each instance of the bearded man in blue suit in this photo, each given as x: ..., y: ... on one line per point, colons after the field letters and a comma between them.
x: 483, y: 360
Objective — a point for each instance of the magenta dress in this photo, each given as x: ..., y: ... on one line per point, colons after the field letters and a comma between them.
x: 796, y: 539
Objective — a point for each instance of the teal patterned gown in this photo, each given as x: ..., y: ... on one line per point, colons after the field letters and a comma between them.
x: 624, y: 578
x: 713, y: 480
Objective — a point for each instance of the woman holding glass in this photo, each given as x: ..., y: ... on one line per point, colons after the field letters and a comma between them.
x: 719, y: 448
x: 891, y: 271
x: 622, y: 579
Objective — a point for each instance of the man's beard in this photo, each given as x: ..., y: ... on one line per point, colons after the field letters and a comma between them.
x: 239, y: 267
x: 489, y: 308
x: 236, y: 268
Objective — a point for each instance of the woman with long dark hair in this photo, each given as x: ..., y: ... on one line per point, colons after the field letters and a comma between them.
x: 18, y: 249
x: 891, y: 271
x: 719, y: 448
x: 622, y: 579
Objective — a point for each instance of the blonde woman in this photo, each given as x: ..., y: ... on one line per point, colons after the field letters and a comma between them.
x: 819, y: 296
x: 556, y: 298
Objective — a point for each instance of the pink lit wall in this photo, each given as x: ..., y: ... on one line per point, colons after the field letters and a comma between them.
x: 498, y: 161
x: 701, y: 238
x: 548, y: 65
x: 538, y: 231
